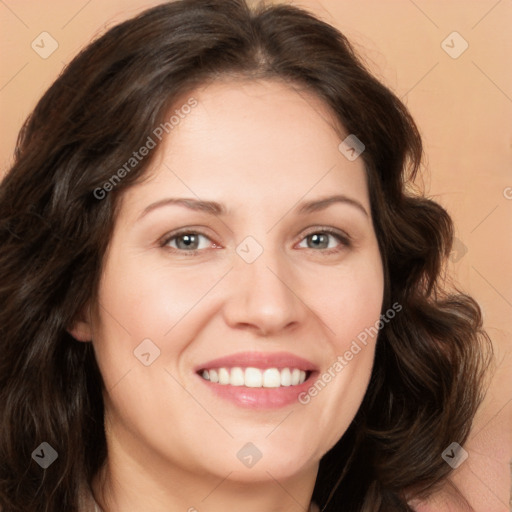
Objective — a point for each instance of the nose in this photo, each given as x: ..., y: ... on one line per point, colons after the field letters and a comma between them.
x: 264, y: 297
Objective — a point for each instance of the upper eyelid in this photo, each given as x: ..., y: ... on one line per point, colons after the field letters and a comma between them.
x: 199, y: 230
x: 326, y: 229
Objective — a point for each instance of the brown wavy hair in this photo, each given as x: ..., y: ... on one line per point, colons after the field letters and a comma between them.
x: 430, y: 360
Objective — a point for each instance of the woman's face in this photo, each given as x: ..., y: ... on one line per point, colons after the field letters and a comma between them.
x: 235, y: 261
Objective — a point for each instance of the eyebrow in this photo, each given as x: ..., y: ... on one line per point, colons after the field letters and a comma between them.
x: 322, y: 204
x: 210, y: 207
x: 214, y: 208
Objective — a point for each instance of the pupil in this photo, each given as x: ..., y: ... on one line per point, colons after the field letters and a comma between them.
x: 188, y: 241
x: 320, y: 240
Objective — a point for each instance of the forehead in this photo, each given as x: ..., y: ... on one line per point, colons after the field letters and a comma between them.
x: 253, y: 141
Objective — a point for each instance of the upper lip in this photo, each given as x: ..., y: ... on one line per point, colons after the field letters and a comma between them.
x: 260, y: 360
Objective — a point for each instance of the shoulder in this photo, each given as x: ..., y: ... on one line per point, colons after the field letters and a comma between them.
x: 421, y: 507
x: 442, y: 501
x: 87, y: 502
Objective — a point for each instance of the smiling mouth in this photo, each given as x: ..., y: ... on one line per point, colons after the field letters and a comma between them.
x: 251, y: 377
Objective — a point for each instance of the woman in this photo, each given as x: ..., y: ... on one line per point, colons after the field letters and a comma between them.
x: 217, y: 291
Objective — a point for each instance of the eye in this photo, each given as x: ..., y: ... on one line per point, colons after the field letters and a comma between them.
x: 187, y: 241
x: 326, y: 240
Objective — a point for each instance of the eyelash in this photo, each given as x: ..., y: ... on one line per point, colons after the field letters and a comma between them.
x: 341, y: 237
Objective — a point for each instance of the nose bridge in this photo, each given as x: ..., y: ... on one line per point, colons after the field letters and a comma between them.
x: 262, y: 291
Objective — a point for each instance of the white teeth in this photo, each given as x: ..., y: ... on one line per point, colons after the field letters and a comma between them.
x: 255, y: 377
x: 237, y: 377
x: 286, y: 377
x: 271, y: 378
x: 223, y: 376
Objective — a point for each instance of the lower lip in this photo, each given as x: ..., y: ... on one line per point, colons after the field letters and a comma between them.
x: 260, y: 398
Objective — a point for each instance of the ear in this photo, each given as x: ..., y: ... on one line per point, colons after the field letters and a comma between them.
x: 81, y: 328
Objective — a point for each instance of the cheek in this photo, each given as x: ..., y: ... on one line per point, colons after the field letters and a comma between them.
x: 350, y: 310
x: 349, y: 299
x: 146, y: 300
x: 338, y: 394
x: 148, y: 307
x: 335, y: 396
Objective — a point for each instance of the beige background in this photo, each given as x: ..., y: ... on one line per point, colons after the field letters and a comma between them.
x: 462, y: 105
